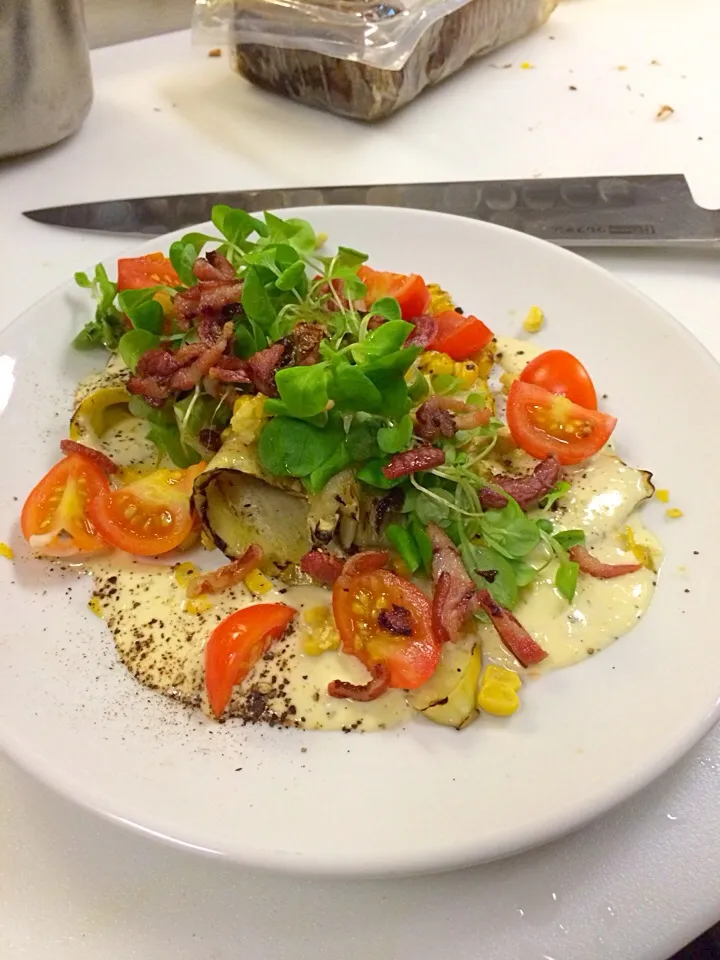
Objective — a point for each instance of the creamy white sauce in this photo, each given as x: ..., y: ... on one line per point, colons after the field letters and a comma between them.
x: 163, y: 646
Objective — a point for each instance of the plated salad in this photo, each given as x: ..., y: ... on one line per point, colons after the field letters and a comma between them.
x: 417, y: 514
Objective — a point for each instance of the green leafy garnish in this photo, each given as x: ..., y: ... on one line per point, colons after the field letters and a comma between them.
x: 134, y: 344
x: 304, y: 390
x: 396, y: 437
x: 400, y: 538
x: 294, y: 448
x: 108, y: 326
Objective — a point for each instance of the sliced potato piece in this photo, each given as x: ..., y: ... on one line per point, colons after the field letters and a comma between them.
x: 450, y: 696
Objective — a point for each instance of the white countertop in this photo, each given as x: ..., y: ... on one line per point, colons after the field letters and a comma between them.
x: 637, y: 884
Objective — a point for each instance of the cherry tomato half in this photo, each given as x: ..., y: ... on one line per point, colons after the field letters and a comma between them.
x: 543, y: 423
x: 360, y: 594
x: 560, y: 372
x: 54, y: 518
x: 152, y: 270
x: 460, y: 336
x: 410, y: 291
x: 149, y: 516
x: 235, y: 646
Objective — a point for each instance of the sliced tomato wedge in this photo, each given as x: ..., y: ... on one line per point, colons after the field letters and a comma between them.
x: 361, y: 594
x: 152, y: 270
x: 54, y: 519
x: 544, y: 424
x: 410, y: 290
x: 235, y: 646
x: 149, y: 516
x: 560, y: 372
x: 460, y: 336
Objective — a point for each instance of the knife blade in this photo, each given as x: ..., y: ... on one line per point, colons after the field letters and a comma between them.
x: 645, y: 211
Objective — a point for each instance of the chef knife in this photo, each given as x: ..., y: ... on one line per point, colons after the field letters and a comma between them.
x: 645, y: 211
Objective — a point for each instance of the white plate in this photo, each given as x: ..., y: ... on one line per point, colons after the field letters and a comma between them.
x: 423, y: 797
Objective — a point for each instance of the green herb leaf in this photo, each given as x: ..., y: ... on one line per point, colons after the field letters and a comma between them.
x: 501, y: 580
x: 510, y: 531
x: 319, y: 477
x: 139, y: 407
x: 134, y: 344
x: 184, y: 253
x: 387, y: 371
x: 372, y: 474
x: 387, y: 307
x: 557, y: 492
x: 419, y: 388
x: 236, y: 225
x: 144, y: 312
x: 446, y: 383
x: 303, y: 237
x: 400, y: 538
x: 83, y: 280
x: 256, y: 301
x: 524, y: 573
x: 566, y: 579
x: 387, y: 339
x: 397, y: 437
x: 291, y: 276
x: 304, y: 389
x: 569, y: 538
x: 294, y: 448
x: 361, y: 439
x: 108, y: 325
x: 353, y: 391
x: 247, y: 340
x: 423, y: 543
x: 166, y: 438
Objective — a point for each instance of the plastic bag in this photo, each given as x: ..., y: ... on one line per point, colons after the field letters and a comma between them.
x: 360, y: 59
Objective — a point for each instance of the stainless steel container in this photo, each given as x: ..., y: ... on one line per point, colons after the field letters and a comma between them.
x: 45, y: 82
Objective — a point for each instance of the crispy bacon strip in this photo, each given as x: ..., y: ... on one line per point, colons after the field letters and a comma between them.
x: 425, y: 331
x: 213, y: 266
x: 188, y: 377
x: 154, y: 391
x: 322, y: 566
x: 526, y: 490
x: 263, y: 366
x: 158, y: 362
x: 596, y: 568
x: 454, y: 590
x: 371, y: 690
x: 412, y: 461
x: 444, y: 416
x: 365, y: 562
x: 511, y: 631
x: 215, y: 581
x: 99, y: 459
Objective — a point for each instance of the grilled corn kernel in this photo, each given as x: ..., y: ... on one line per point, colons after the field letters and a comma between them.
x: 674, y: 513
x: 184, y: 572
x: 498, y: 694
x: 440, y: 300
x: 485, y: 359
x: 663, y: 496
x: 466, y: 372
x: 198, y: 605
x: 94, y: 606
x: 258, y: 582
x: 6, y: 551
x: 435, y: 363
x: 321, y: 634
x: 534, y: 320
x: 507, y: 380
x: 641, y: 552
x: 248, y: 418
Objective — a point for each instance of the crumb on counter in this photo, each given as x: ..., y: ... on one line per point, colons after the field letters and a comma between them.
x: 663, y: 496
x: 215, y: 52
x: 664, y: 112
x: 527, y: 66
x: 534, y: 320
x: 6, y: 551
x: 674, y: 513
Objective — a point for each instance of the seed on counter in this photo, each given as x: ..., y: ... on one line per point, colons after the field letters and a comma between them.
x: 6, y: 551
x: 663, y: 496
x: 674, y: 513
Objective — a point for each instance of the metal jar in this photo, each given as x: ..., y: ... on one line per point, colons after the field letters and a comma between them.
x: 45, y: 81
